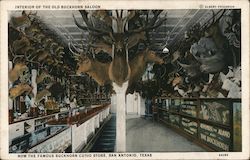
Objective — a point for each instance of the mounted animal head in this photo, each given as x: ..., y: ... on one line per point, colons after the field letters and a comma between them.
x: 152, y: 57
x: 83, y: 61
x: 102, y: 15
x: 20, y: 43
x: 119, y: 38
x: 119, y: 33
x: 18, y: 69
x: 42, y: 54
x: 40, y: 95
x: 178, y: 80
x: 19, y: 89
x: 205, y: 47
x: 95, y: 69
x: 84, y: 64
x: 206, y: 52
x: 42, y: 76
x: 212, y: 30
x: 22, y: 21
x: 139, y: 63
x: 34, y: 29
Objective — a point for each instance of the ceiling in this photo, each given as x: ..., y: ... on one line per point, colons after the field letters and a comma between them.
x: 168, y: 34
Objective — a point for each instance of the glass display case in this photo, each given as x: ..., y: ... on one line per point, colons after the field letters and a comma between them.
x: 23, y: 143
x: 211, y: 122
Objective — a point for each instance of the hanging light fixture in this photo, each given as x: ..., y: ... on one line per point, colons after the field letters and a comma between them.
x: 165, y: 50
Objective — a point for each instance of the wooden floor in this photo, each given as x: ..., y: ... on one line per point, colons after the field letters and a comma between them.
x: 144, y: 135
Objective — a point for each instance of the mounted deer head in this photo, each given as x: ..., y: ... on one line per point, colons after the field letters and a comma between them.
x: 19, y: 89
x: 20, y: 43
x: 119, y: 69
x: 33, y: 29
x: 18, y: 70
x: 23, y: 21
x: 103, y: 15
x: 139, y: 63
x: 42, y: 76
x: 95, y: 69
x: 42, y: 54
x: 40, y: 95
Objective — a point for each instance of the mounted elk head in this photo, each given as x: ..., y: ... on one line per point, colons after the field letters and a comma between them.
x: 119, y: 40
x: 119, y: 69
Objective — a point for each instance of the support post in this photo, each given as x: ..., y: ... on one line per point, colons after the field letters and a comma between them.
x: 34, y: 109
x: 120, y: 117
x: 34, y: 85
x: 10, y: 85
x: 10, y: 101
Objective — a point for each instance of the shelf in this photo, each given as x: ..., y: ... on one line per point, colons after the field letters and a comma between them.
x: 195, y: 118
x: 187, y: 135
x: 189, y: 104
x: 163, y: 109
x: 215, y: 130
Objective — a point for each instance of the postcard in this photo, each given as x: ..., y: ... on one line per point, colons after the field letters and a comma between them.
x: 124, y: 79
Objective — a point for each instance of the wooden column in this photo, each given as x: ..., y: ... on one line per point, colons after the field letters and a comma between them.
x: 120, y: 117
x: 34, y: 85
x: 34, y: 109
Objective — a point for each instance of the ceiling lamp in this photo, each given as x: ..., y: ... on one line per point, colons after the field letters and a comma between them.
x: 165, y: 50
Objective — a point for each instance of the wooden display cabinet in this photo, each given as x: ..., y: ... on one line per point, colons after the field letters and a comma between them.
x: 207, y: 121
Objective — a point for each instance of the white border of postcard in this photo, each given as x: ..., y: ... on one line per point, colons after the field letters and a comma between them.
x: 117, y: 4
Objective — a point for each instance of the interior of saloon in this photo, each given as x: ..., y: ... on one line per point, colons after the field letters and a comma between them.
x: 124, y: 81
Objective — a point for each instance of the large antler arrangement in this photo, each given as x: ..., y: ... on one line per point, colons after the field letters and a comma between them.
x: 206, y: 53
x: 119, y: 32
x: 33, y: 46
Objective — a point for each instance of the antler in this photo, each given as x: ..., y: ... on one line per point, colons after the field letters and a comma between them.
x: 152, y: 24
x: 79, y: 54
x: 75, y: 55
x: 89, y: 26
x: 206, y: 25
